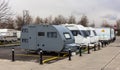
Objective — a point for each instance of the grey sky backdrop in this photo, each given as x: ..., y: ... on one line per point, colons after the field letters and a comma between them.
x: 95, y: 10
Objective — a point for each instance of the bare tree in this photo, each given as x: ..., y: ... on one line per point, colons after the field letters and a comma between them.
x: 5, y: 12
x: 59, y: 20
x: 49, y: 19
x: 55, y: 21
x: 92, y: 25
x: 118, y: 27
x: 19, y: 22
x: 38, y: 20
x: 23, y: 20
x: 46, y: 21
x: 10, y: 23
x: 27, y: 19
x: 105, y: 24
x: 71, y: 20
x: 3, y: 25
x: 83, y: 21
x: 118, y: 24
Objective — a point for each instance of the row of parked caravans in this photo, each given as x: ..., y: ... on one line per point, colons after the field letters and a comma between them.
x: 60, y: 38
x: 84, y: 36
x: 91, y: 36
x: 9, y: 35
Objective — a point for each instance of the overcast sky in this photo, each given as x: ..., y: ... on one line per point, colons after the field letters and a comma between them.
x: 95, y: 10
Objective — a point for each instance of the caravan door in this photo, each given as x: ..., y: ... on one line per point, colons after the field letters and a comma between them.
x: 32, y: 38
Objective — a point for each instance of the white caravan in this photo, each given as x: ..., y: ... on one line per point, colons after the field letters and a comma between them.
x: 105, y: 34
x: 94, y: 39
x: 8, y: 35
x: 80, y: 33
x: 50, y: 38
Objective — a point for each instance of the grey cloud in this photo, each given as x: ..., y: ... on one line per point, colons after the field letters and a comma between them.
x: 111, y: 4
x: 110, y: 17
x: 109, y: 9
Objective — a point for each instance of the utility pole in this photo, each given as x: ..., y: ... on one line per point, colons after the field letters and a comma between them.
x: 25, y: 16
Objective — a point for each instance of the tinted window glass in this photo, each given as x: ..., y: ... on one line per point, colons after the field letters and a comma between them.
x: 41, y: 34
x: 25, y: 30
x: 67, y: 35
x: 89, y: 32
x: 14, y: 34
x: 75, y: 32
x: 94, y: 33
x: 25, y: 40
x: 52, y: 34
x: 84, y: 33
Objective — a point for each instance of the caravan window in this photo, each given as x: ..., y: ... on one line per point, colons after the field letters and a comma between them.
x: 75, y: 32
x: 52, y: 34
x: 14, y: 34
x: 84, y: 33
x: 25, y: 30
x: 67, y: 35
x: 89, y: 32
x: 25, y: 40
x: 94, y: 33
x: 41, y: 33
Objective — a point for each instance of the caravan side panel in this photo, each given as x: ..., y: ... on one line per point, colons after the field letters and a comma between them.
x: 49, y: 39
x: 103, y: 33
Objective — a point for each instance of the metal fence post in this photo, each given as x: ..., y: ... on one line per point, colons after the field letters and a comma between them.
x: 105, y: 43
x: 13, y: 52
x: 94, y: 47
x: 102, y: 44
x: 88, y: 49
x: 41, y: 59
x: 80, y: 51
x: 69, y: 52
x: 98, y: 46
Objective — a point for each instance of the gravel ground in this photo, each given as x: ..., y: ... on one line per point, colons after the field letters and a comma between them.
x: 108, y: 58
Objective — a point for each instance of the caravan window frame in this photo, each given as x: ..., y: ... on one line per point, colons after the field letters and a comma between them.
x: 66, y: 33
x: 25, y: 30
x: 41, y: 33
x: 94, y: 32
x: 24, y: 40
x: 84, y: 33
x: 52, y: 34
x: 14, y: 34
x: 75, y: 32
x: 89, y: 31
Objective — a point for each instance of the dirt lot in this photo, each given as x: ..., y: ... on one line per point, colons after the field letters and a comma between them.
x: 108, y: 58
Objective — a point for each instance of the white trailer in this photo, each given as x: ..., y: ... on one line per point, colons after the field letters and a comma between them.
x: 55, y: 38
x: 94, y: 39
x: 80, y: 33
x: 18, y: 34
x: 8, y: 35
x: 105, y: 34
